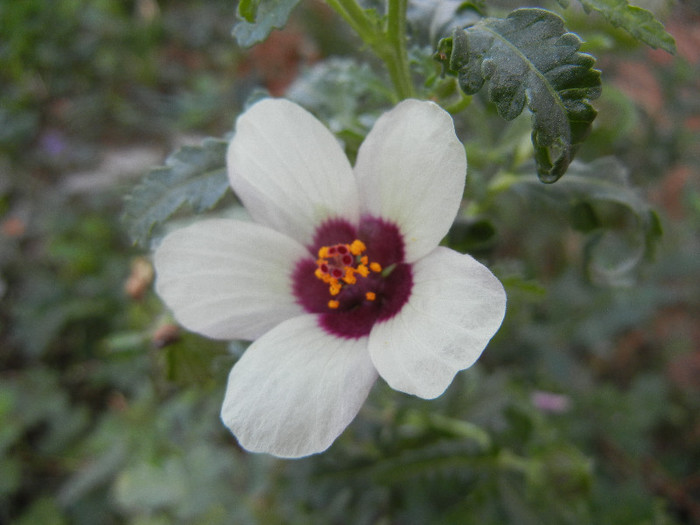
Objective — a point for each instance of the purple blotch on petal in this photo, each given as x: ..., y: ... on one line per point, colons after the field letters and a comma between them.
x: 383, y: 240
x: 333, y: 231
x: 356, y: 314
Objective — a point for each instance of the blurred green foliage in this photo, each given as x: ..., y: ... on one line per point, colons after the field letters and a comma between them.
x: 582, y: 410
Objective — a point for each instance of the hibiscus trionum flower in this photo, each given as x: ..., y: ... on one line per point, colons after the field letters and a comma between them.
x: 338, y: 278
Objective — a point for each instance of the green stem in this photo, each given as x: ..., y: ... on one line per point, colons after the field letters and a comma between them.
x: 397, y: 61
x: 462, y: 104
x: 355, y: 16
x: 388, y: 44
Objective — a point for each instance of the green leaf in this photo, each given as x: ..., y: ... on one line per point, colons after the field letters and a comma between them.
x: 638, y: 22
x: 618, y: 242
x: 99, y: 471
x: 529, y: 59
x: 194, y: 175
x: 248, y: 10
x: 42, y: 510
x: 468, y: 235
x: 260, y: 17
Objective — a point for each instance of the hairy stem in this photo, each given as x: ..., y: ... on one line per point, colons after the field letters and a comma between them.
x: 397, y: 59
x: 388, y: 43
x: 355, y: 16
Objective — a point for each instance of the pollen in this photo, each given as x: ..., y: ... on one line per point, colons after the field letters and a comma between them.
x: 370, y: 296
x: 357, y: 247
x: 362, y: 270
x: 333, y: 304
x: 349, y: 277
x: 335, y: 287
x: 341, y: 265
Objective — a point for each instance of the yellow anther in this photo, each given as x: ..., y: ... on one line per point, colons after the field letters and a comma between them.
x: 362, y: 270
x: 350, y: 276
x: 357, y: 247
x: 333, y: 304
x: 340, y: 265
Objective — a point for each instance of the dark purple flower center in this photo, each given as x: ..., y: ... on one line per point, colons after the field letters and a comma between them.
x: 354, y: 277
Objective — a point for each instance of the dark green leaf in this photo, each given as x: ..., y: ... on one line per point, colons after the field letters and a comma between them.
x: 195, y: 175
x: 260, y: 19
x: 529, y: 59
x: 638, y: 22
x: 583, y: 217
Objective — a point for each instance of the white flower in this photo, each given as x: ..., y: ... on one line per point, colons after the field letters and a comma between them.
x: 340, y: 276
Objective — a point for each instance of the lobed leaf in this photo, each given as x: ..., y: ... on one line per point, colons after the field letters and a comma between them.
x: 638, y: 22
x: 259, y: 18
x: 530, y: 60
x: 194, y: 175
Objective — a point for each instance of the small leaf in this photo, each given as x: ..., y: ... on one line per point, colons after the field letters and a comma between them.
x: 638, y: 22
x: 461, y: 429
x: 529, y: 59
x: 195, y: 175
x: 260, y: 17
x: 248, y: 10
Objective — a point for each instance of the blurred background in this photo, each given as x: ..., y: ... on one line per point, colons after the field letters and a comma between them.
x: 583, y: 409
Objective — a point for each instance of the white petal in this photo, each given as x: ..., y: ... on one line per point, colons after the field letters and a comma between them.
x: 289, y: 170
x: 411, y: 170
x: 456, y: 306
x: 228, y: 279
x: 296, y: 389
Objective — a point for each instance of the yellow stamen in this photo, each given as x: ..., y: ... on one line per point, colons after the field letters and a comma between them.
x: 333, y: 304
x: 362, y: 270
x: 357, y: 247
x: 350, y: 276
x: 371, y: 296
x: 340, y: 265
